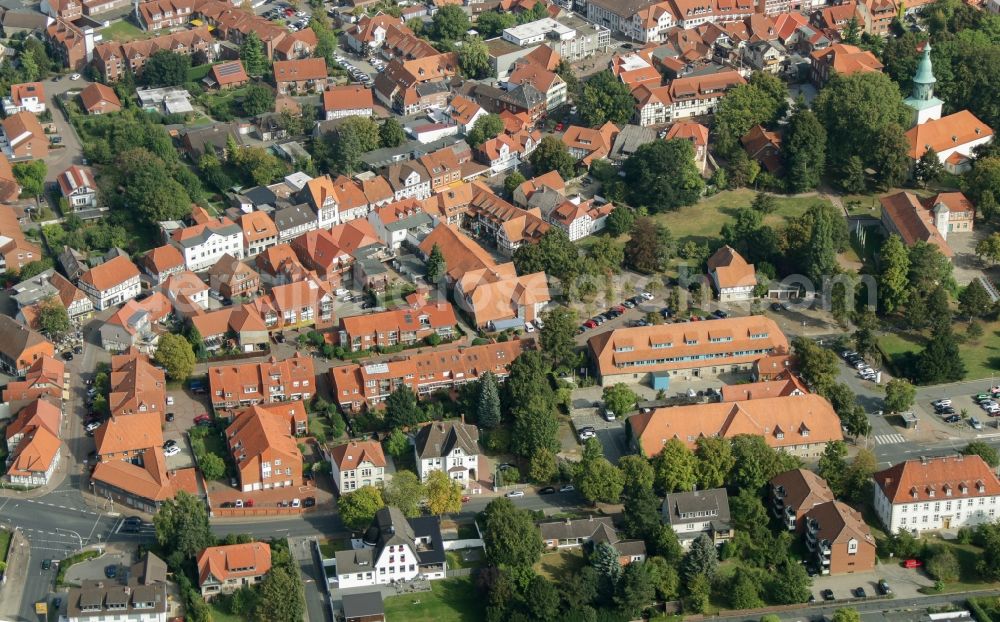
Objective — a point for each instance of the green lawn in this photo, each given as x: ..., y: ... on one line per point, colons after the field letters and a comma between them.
x: 330, y: 547
x: 219, y: 615
x: 981, y: 357
x: 4, y: 544
x: 450, y: 600
x: 465, y: 558
x: 195, y: 74
x: 701, y: 222
x: 557, y: 564
x: 123, y: 31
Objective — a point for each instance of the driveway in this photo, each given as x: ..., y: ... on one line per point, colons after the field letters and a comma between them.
x: 71, y: 152
x: 903, y: 582
x: 93, y: 569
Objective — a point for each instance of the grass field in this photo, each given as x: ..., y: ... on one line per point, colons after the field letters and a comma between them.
x: 465, y: 558
x: 556, y: 565
x: 330, y: 547
x: 4, y: 544
x: 219, y: 615
x: 123, y: 31
x: 450, y: 600
x: 701, y: 222
x: 981, y: 357
x: 195, y: 74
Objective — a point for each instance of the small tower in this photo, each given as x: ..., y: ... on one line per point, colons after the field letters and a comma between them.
x: 941, y: 217
x: 926, y: 107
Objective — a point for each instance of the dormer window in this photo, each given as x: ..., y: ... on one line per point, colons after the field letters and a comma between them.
x: 930, y: 492
x: 914, y: 493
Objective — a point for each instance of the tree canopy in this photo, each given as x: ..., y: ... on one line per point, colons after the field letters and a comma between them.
x: 605, y: 98
x: 662, y: 175
x: 551, y: 154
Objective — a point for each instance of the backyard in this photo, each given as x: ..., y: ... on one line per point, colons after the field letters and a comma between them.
x: 123, y: 31
x: 555, y: 566
x: 450, y: 600
x: 981, y: 357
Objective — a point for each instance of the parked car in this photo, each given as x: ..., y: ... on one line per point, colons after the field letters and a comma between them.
x: 944, y: 402
x: 827, y: 595
x: 529, y: 327
x: 296, y: 503
x: 947, y: 410
x: 170, y: 443
x: 93, y: 425
x: 976, y: 424
x: 776, y: 307
x: 514, y: 493
x: 202, y: 418
x: 983, y: 397
x: 609, y: 414
x: 111, y: 571
x: 567, y: 488
x: 719, y: 313
x: 46, y: 564
x: 952, y: 419
x: 171, y: 451
x: 548, y: 490
x: 912, y: 563
x: 882, y: 587
x: 859, y: 592
x: 131, y: 524
x: 170, y: 417
x: 75, y: 76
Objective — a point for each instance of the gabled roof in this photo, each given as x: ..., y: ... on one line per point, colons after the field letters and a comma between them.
x: 300, y: 70
x: 99, y: 95
x: 730, y: 269
x: 801, y: 490
x: 689, y: 130
x: 347, y: 97
x: 838, y: 522
x: 350, y: 456
x: 35, y: 453
x: 946, y: 133
x: 913, y: 221
x: 252, y: 559
x: 110, y: 273
x: 438, y: 440
x: 926, y: 479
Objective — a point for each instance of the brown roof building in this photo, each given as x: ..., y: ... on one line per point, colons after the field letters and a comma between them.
x: 162, y: 262
x: 294, y: 76
x: 111, y: 283
x: 263, y: 445
x: 230, y: 277
x: 632, y: 355
x: 801, y: 425
x: 903, y: 214
x: 98, y: 98
x: 397, y: 326
x: 842, y: 59
x: 228, y: 75
x: 356, y: 464
x: 247, y: 384
x: 346, y: 101
x: 936, y: 493
x: 46, y: 378
x: 794, y: 493
x: 24, y: 136
x: 838, y: 539
x: 15, y: 250
x: 225, y: 569
x: 20, y: 347
x: 732, y: 277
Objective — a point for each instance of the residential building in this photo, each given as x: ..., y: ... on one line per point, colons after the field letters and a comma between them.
x: 356, y: 464
x: 575, y: 533
x: 493, y: 293
x: 628, y: 141
x: 843, y: 59
x: 293, y: 221
x: 228, y: 75
x: 299, y: 304
x: 952, y: 137
x: 700, y: 349
x: 78, y: 187
x: 464, y: 112
x: 66, y: 9
x: 332, y: 253
x: 33, y: 445
x: 451, y: 447
x: 791, y: 385
x: 204, y: 243
x: 160, y: 14
x: 363, y: 607
x: 141, y: 597
x: 547, y: 82
x: 236, y: 325
x: 22, y: 137
x: 298, y: 44
x: 695, y: 96
x: 444, y: 167
x: 45, y: 378
x: 928, y: 220
x: 259, y: 233
x: 503, y: 224
x: 404, y: 326
x: 132, y: 325
x: 937, y: 493
x: 616, y: 15
x: 161, y: 262
x: 697, y: 134
x: 838, y: 539
x: 10, y: 188
x: 408, y: 180
x: 764, y: 146
x: 347, y: 101
x: 653, y: 105
x: 264, y: 447
x: 399, y: 222
x: 358, y: 386
x: 701, y: 512
x: 579, y: 218
x: 26, y: 97
x: 187, y: 292
x: 15, y: 250
x: 369, y: 33
x: 247, y: 384
x: 409, y: 86
x: 800, y: 425
x: 395, y: 549
x: 225, y: 569
x: 589, y: 144
x: 111, y: 283
x: 793, y: 494
x: 232, y: 278
x: 46, y: 286
x: 112, y: 58
x: 137, y: 386
x: 568, y: 35
x: 300, y: 76
x: 732, y: 277
x: 72, y: 45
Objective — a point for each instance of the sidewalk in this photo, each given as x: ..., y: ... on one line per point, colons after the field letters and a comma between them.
x: 12, y: 588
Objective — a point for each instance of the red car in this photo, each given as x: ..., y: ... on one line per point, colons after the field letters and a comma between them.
x: 289, y: 12
x: 202, y: 419
x: 590, y: 324
x: 912, y: 563
x: 559, y: 127
x: 465, y: 499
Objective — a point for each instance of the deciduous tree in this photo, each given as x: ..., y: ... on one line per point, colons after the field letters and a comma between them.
x: 558, y: 338
x: 510, y: 537
x: 651, y: 246
x: 621, y: 219
x: 444, y: 495
x: 985, y: 451
x: 450, y: 23
x: 899, y: 395
x: 391, y: 133
x: 598, y: 479
x: 474, y: 58
x: 53, y: 318
x: 257, y: 99
x: 175, y: 354
x: 619, y: 399
x: 662, y: 175
x: 974, y: 301
x: 358, y: 507
x: 551, y: 154
x: 675, y: 467
x: 404, y: 491
x: 804, y: 150
x: 893, y: 281
x: 165, y: 68
x: 182, y: 525
x: 605, y: 98
x: 486, y: 127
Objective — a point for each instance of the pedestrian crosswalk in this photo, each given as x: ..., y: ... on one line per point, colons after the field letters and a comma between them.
x: 889, y: 439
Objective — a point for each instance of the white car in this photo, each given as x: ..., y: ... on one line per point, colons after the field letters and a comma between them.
x: 170, y: 400
x: 515, y: 493
x: 646, y: 295
x: 300, y: 14
x: 567, y: 488
x: 941, y: 403
x: 529, y: 327
x: 296, y: 503
x: 341, y: 292
x: 171, y: 451
x: 572, y: 110
x: 539, y: 325
x: 90, y: 427
x: 976, y: 424
x: 75, y: 76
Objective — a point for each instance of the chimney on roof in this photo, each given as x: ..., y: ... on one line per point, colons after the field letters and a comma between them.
x: 923, y: 460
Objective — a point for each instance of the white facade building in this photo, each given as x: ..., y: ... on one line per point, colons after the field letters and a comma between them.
x: 937, y: 493
x: 203, y: 245
x: 450, y: 447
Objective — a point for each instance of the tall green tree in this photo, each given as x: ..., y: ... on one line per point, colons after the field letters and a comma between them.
x: 662, y: 175
x: 31, y: 177
x: 253, y: 57
x: 620, y: 221
x: 899, y: 395
x: 636, y: 590
x: 821, y: 259
x: 651, y: 246
x: 486, y: 127
x: 558, y: 338
x: 53, y: 318
x: 488, y: 415
x: 444, y: 495
x: 175, y: 354
x: 391, y: 133
x: 619, y: 399
x: 804, y: 150
x: 928, y: 168
x: 833, y: 466
x: 987, y: 452
x: 182, y: 525
x: 675, y: 467
x: 404, y: 491
x: 165, y: 68
x: 701, y: 559
x: 474, y: 58
x: 352, y: 139
x: 598, y: 479
x: 510, y: 537
x: 974, y: 301
x: 257, y: 99
x: 358, y: 507
x: 892, y: 156
x: 605, y: 98
x: 715, y: 461
x: 450, y: 23
x: 551, y: 154
x: 280, y: 596
x: 402, y: 409
x: 435, y: 267
x: 893, y: 281
x: 761, y: 101
x: 940, y: 361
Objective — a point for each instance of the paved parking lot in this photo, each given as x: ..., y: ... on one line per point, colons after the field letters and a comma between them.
x: 93, y: 569
x: 904, y: 582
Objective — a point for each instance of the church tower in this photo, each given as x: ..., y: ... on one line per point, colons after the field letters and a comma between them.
x: 925, y: 106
